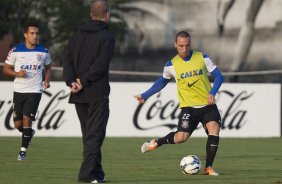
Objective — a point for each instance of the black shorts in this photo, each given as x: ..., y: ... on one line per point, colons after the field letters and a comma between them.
x: 190, y: 117
x: 25, y: 104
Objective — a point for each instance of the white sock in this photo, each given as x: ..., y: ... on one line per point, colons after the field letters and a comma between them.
x: 23, y: 149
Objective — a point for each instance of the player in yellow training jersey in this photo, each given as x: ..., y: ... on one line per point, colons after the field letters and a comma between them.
x: 196, y: 96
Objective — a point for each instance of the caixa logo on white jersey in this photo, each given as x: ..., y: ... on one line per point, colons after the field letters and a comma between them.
x: 162, y: 112
x: 31, y: 67
x: 50, y: 115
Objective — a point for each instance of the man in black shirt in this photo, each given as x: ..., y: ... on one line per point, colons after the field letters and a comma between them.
x: 86, y: 72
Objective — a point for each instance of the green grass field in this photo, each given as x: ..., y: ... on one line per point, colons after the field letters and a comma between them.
x: 57, y: 160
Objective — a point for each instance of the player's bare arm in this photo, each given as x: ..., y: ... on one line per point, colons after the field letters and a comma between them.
x: 47, y: 76
x: 9, y: 70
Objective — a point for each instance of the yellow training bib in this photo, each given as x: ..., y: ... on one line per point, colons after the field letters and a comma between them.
x: 193, y: 85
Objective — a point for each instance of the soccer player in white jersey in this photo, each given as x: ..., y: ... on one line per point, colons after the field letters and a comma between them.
x: 26, y: 62
x: 189, y: 68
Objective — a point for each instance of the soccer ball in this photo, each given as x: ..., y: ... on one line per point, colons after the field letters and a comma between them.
x: 190, y: 164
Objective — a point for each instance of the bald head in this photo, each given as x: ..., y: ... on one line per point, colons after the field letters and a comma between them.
x: 100, y: 10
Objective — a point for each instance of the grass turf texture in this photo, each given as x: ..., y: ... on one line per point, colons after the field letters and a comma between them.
x: 57, y: 161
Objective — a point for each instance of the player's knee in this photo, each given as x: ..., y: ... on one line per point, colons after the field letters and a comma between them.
x: 18, y: 126
x: 181, y: 137
x: 213, y: 131
x: 27, y: 121
x: 180, y: 140
x: 212, y: 128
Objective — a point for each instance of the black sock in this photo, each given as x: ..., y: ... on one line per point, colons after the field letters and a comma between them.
x: 211, y: 149
x: 168, y: 139
x: 26, y: 137
x: 20, y: 129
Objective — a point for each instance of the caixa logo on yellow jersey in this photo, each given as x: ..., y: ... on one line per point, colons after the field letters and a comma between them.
x: 31, y: 67
x: 191, y: 73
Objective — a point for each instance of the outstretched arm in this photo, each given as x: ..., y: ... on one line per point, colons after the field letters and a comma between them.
x: 157, y: 86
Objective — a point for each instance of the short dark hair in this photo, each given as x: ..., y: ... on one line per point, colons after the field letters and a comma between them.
x: 99, y: 8
x: 30, y: 24
x: 182, y: 34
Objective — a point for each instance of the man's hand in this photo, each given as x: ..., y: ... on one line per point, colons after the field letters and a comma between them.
x: 21, y: 73
x: 46, y: 85
x: 76, y: 86
x: 78, y: 81
x: 139, y: 98
x: 211, y: 99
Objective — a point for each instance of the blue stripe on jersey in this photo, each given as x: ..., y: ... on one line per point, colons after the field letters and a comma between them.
x: 218, y: 79
x: 22, y: 48
x: 205, y: 55
x: 169, y: 63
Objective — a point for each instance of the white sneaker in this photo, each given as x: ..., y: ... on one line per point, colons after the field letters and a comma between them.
x: 98, y: 181
x: 210, y: 171
x: 22, y: 155
x: 149, y: 146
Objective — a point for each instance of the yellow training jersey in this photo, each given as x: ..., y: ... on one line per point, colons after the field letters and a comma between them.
x: 193, y: 85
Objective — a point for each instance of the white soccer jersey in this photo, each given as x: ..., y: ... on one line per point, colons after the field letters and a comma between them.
x: 169, y: 71
x: 31, y: 60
